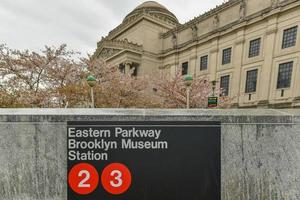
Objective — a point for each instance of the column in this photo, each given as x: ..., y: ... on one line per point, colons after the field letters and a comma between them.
x: 266, y: 70
x: 127, y: 67
x: 213, y: 60
x: 193, y: 62
x: 237, y: 59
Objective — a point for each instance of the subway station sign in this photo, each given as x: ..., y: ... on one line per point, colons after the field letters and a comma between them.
x: 137, y: 160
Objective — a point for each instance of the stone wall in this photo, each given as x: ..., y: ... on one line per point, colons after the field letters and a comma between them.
x: 260, y: 150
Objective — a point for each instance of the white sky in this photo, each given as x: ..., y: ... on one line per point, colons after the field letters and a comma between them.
x: 31, y: 24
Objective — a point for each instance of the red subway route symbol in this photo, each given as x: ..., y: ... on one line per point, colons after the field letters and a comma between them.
x: 83, y: 178
x: 116, y: 178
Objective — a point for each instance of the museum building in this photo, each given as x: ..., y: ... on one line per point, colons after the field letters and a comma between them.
x: 251, y: 48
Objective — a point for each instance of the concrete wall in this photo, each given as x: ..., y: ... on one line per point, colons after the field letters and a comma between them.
x: 260, y: 150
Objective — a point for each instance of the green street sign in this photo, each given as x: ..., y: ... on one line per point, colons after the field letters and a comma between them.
x: 212, y: 102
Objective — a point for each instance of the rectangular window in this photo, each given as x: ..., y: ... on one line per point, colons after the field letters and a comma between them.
x: 254, y: 48
x: 289, y: 37
x: 226, y: 56
x: 224, y: 84
x: 251, y: 81
x: 203, y: 63
x: 185, y: 68
x: 284, y: 75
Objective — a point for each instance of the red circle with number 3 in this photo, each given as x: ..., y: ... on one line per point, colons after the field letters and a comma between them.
x: 83, y: 178
x: 116, y: 178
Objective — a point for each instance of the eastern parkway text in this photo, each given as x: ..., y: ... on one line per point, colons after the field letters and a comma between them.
x: 94, y: 144
x: 119, y: 132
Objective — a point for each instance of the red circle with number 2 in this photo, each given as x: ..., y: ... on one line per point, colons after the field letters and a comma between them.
x: 83, y: 178
x: 116, y: 178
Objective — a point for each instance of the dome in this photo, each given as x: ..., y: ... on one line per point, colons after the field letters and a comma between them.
x: 151, y: 4
x: 152, y: 7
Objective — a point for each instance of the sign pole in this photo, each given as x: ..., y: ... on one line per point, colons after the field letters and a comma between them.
x: 188, y: 98
x: 188, y: 79
x: 92, y: 96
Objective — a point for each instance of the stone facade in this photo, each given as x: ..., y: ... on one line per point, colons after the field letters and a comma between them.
x: 261, y: 36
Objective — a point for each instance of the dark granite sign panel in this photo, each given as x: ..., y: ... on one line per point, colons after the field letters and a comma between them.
x: 144, y: 160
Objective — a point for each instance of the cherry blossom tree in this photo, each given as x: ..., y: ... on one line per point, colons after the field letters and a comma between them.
x: 173, y: 92
x: 32, y: 79
x: 115, y: 89
x: 53, y: 78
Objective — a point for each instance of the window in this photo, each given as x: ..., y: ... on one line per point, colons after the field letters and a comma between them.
x: 225, y: 85
x: 122, y: 68
x: 203, y: 63
x: 289, y: 37
x: 226, y: 56
x: 251, y: 80
x: 284, y: 75
x: 254, y: 48
x: 185, y: 68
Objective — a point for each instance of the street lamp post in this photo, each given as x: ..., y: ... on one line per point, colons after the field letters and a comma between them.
x: 91, y: 80
x: 188, y: 82
x: 212, y: 101
x: 214, y: 87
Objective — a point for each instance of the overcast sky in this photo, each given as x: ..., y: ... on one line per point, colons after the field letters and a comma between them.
x: 31, y: 24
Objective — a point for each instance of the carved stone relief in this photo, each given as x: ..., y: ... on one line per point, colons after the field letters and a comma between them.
x: 243, y: 10
x: 216, y: 21
x: 194, y: 32
x: 106, y: 52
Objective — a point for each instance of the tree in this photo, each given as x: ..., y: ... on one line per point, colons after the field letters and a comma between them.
x: 115, y: 89
x: 172, y: 90
x: 52, y: 78
x: 32, y: 79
